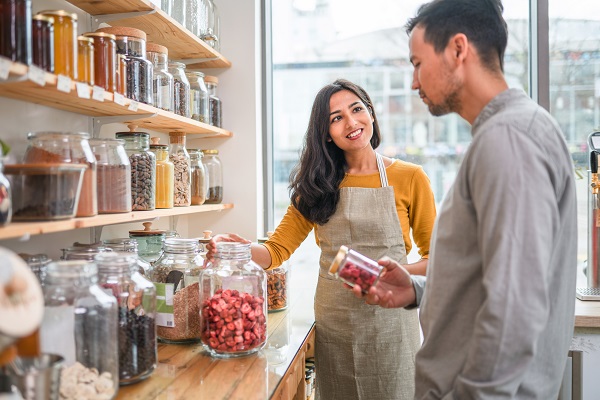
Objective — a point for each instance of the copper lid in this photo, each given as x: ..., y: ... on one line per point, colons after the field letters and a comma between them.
x: 156, y: 48
x: 147, y: 231
x: 124, y: 31
x: 211, y: 79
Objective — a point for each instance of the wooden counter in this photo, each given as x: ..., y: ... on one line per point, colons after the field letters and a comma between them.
x: 587, y: 314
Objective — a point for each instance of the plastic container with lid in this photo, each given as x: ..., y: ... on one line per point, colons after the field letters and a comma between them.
x: 198, y: 96
x: 15, y: 30
x: 143, y: 168
x: 80, y: 324
x: 42, y: 36
x: 162, y: 79
x: 214, y: 171
x: 176, y: 276
x: 114, y: 172
x: 118, y: 275
x: 131, y: 42
x: 214, y: 102
x: 199, y: 187
x: 165, y: 174
x: 353, y: 268
x: 150, y: 242
x: 181, y: 89
x: 85, y: 60
x: 233, y: 293
x: 6, y: 203
x: 65, y: 42
x: 278, y: 281
x: 68, y: 147
x: 180, y: 158
x: 105, y: 59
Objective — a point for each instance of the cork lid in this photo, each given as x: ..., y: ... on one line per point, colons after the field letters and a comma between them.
x: 124, y: 31
x: 335, y: 265
x: 59, y: 13
x: 147, y: 231
x: 45, y: 18
x: 211, y: 79
x: 177, y: 137
x: 100, y: 34
x: 156, y: 48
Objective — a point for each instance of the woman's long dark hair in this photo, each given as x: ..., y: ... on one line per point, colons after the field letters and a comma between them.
x: 315, y: 180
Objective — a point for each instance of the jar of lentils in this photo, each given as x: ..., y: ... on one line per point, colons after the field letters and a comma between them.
x: 199, y: 186
x: 143, y: 169
x: 181, y: 163
x: 181, y: 89
x: 162, y: 79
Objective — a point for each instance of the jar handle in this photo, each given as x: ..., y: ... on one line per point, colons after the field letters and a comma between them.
x: 147, y: 226
x: 155, y: 139
x: 132, y: 127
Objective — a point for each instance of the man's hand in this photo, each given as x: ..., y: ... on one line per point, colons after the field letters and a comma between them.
x: 394, y: 288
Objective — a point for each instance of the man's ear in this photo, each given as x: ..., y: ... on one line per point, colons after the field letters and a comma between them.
x: 459, y: 46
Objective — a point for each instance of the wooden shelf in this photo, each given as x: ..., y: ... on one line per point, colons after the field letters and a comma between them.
x: 20, y: 229
x: 19, y: 87
x: 160, y: 28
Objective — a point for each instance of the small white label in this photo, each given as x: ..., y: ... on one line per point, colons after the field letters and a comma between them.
x: 119, y: 99
x: 5, y: 64
x: 37, y: 75
x: 64, y: 84
x: 133, y: 106
x: 83, y: 90
x: 98, y: 93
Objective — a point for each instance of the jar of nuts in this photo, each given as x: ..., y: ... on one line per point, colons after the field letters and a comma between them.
x: 353, y: 268
x: 233, y: 307
x: 182, y: 166
x: 277, y: 284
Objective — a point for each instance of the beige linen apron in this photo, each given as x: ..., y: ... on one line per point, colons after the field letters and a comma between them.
x: 363, y: 352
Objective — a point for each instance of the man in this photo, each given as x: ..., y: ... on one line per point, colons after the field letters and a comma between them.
x: 498, y: 312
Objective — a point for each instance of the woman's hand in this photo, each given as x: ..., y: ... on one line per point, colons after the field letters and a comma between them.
x: 211, y: 246
x: 394, y: 288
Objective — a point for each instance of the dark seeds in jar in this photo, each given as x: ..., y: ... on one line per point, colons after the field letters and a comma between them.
x: 137, y: 344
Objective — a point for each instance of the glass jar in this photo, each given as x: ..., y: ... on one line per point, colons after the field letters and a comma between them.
x: 180, y: 158
x: 181, y: 89
x: 86, y: 252
x: 167, y: 6
x: 202, y: 22
x: 15, y: 30
x: 214, y: 172
x: 143, y: 169
x: 150, y: 242
x: 162, y: 80
x: 105, y: 59
x: 80, y: 324
x: 131, y: 43
x: 136, y: 299
x: 65, y: 42
x: 6, y: 207
x: 113, y: 172
x: 213, y: 33
x: 278, y: 280
x: 165, y: 174
x: 232, y: 294
x: 214, y: 102
x: 198, y: 96
x: 72, y: 148
x: 85, y: 60
x: 42, y: 35
x: 128, y: 245
x: 176, y: 276
x: 178, y: 11
x: 38, y: 263
x: 121, y: 74
x: 199, y: 187
x: 353, y: 268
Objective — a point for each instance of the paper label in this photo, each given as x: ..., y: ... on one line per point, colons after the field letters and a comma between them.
x: 119, y: 99
x: 133, y: 106
x: 63, y: 84
x: 37, y: 75
x: 164, y: 305
x: 5, y: 65
x: 98, y: 93
x: 83, y: 90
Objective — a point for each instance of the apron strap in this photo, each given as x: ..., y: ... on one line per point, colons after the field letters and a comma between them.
x: 382, y: 173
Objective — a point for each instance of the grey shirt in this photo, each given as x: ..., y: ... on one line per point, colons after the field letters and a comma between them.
x: 498, y: 309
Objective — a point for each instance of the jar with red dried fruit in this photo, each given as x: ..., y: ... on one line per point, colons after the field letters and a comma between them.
x: 353, y: 268
x: 233, y: 312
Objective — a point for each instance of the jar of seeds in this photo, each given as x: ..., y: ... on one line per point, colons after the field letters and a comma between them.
x: 165, y: 174
x: 214, y: 171
x: 131, y: 42
x: 181, y: 89
x: 199, y: 186
x: 162, y: 79
x: 176, y: 276
x: 181, y: 164
x: 198, y: 96
x: 118, y: 275
x: 278, y: 280
x: 143, y: 168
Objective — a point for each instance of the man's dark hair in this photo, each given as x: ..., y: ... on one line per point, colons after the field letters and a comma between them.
x: 480, y: 20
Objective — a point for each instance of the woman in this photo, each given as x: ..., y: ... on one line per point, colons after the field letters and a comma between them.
x: 352, y: 196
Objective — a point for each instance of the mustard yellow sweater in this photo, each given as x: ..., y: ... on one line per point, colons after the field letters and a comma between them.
x: 414, y: 202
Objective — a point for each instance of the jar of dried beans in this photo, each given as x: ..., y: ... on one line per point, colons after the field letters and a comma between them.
x: 353, y: 268
x: 278, y: 280
x: 80, y: 324
x: 113, y: 172
x: 165, y: 174
x: 176, y: 276
x: 214, y: 172
x: 182, y: 183
x: 72, y: 148
x: 143, y: 169
x: 118, y: 275
x: 199, y: 180
x: 233, y: 302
